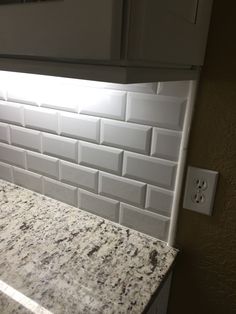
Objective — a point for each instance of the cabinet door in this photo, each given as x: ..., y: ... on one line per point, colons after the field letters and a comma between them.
x: 169, y: 31
x: 64, y: 29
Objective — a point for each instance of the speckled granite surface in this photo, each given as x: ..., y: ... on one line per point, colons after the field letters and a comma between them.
x: 70, y: 261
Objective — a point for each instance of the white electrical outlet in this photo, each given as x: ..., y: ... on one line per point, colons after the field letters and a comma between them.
x: 200, y: 190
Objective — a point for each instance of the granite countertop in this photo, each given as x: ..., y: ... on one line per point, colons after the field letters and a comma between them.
x: 65, y: 260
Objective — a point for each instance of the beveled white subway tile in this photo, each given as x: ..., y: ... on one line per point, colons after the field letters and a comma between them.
x: 100, y: 157
x: 27, y: 179
x: 125, y: 135
x: 22, y: 87
x: 148, y: 88
x: 59, y: 146
x: 166, y: 144
x: 4, y: 133
x: 60, y: 191
x: 5, y: 172
x: 149, y: 169
x: 11, y: 113
x: 12, y: 155
x: 2, y: 90
x: 156, y: 110
x: 89, y: 85
x: 60, y: 93
x: 176, y: 88
x: 98, y: 205
x: 41, y: 119
x: 152, y: 224
x: 25, y: 138
x: 80, y: 176
x: 122, y: 189
x: 79, y: 126
x: 45, y: 165
x: 25, y: 90
x: 58, y: 104
x: 104, y: 103
x: 159, y: 200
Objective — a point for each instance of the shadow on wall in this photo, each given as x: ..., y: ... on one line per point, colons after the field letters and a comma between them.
x: 205, y: 280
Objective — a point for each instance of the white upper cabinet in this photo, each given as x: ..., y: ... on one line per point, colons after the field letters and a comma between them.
x: 125, y: 40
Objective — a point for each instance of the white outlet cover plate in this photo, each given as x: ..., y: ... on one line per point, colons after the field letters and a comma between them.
x: 208, y: 193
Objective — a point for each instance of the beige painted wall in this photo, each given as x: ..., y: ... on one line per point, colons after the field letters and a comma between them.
x: 205, y: 276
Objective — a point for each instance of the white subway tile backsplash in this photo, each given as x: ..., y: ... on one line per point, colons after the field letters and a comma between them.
x: 104, y: 103
x: 95, y: 144
x: 144, y: 221
x: 159, y: 200
x: 27, y: 179
x: 60, y: 191
x: 165, y: 144
x: 79, y: 126
x: 122, y: 189
x: 4, y: 133
x: 156, y: 110
x: 41, y: 119
x: 148, y: 169
x: 25, y: 138
x: 58, y: 146
x: 99, y: 205
x: 11, y: 113
x: 100, y: 157
x: 12, y: 155
x: 80, y: 176
x: 178, y: 88
x: 5, y: 172
x: 125, y: 135
x: 45, y: 165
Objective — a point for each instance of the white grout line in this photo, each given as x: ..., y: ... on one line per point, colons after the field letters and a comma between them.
x: 22, y: 299
x: 182, y: 161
